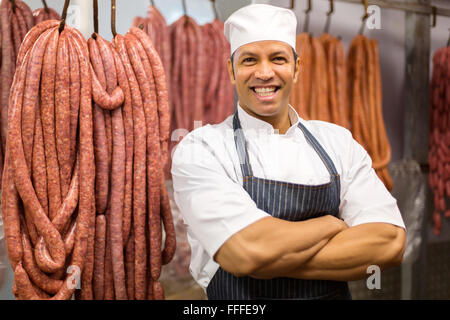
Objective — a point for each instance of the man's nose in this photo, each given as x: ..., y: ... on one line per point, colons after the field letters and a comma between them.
x: 264, y: 72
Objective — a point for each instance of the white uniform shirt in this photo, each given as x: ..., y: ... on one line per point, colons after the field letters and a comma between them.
x: 208, y: 184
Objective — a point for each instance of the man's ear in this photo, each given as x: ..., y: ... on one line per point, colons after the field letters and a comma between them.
x: 231, y: 71
x: 297, y: 69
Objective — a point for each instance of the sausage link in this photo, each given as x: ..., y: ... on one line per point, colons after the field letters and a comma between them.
x: 37, y: 276
x: 22, y: 178
x: 62, y: 112
x: 128, y: 128
x: 139, y: 175
x: 99, y: 257
x: 32, y: 36
x: 117, y: 175
x: 74, y: 101
x: 22, y: 24
x: 158, y: 291
x: 161, y: 90
x: 129, y: 266
x: 16, y: 33
x: 143, y: 75
x: 27, y: 14
x: 105, y: 100
x: 8, y: 67
x: 11, y: 213
x: 100, y: 147
x: 117, y: 199
x: 86, y: 206
x: 170, y: 242
x: 109, y: 278
x: 48, y: 124
x: 69, y: 238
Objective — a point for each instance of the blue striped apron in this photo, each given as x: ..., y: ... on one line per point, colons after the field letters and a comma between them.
x: 288, y: 201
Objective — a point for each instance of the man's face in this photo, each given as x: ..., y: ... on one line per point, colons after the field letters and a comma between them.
x: 263, y: 76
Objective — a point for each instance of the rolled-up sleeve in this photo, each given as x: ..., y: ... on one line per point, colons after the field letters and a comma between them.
x: 364, y: 197
x: 212, y: 203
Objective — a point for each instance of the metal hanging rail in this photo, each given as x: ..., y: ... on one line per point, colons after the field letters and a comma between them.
x: 396, y: 5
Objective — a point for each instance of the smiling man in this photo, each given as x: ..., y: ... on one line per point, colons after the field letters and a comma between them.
x: 277, y: 207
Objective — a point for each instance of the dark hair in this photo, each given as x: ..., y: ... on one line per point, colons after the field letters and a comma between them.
x: 293, y: 51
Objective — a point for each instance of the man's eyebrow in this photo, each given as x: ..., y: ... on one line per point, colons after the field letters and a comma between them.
x: 281, y: 52
x: 246, y: 53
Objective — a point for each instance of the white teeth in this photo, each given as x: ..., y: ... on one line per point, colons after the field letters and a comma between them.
x: 265, y: 91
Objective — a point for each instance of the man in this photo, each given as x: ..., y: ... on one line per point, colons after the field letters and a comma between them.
x: 278, y: 207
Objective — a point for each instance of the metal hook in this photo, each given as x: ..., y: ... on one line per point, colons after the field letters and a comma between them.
x: 152, y: 3
x: 113, y: 18
x: 216, y: 16
x: 434, y: 13
x: 329, y: 13
x: 307, y: 11
x: 45, y: 6
x: 292, y: 4
x: 364, y: 17
x: 62, y: 24
x: 184, y: 7
x: 95, y: 3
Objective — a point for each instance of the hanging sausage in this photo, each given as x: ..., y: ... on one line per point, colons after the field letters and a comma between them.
x: 87, y: 201
x: 439, y: 148
x: 16, y: 19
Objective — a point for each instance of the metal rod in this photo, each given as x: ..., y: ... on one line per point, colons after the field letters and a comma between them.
x: 433, y: 11
x: 292, y: 4
x: 331, y: 11
x: 113, y: 18
x: 95, y: 17
x: 216, y: 16
x: 64, y: 16
x: 45, y: 6
x: 307, y: 11
x: 403, y: 6
x: 152, y: 3
x: 329, y: 14
x: 184, y: 7
x: 364, y: 17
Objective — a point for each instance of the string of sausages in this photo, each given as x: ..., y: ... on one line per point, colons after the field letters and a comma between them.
x: 365, y: 99
x: 194, y: 58
x: 439, y: 148
x: 345, y: 91
x: 84, y: 202
x: 16, y: 19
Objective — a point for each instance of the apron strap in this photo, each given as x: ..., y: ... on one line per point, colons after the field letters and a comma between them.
x: 319, y: 149
x: 241, y: 147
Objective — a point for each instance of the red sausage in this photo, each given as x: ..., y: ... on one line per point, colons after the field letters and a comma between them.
x: 99, y: 257
x: 139, y: 175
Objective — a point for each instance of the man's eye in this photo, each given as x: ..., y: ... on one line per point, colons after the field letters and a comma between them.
x: 280, y: 59
x: 246, y: 60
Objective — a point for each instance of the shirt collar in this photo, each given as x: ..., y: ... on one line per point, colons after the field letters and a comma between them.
x: 249, y: 122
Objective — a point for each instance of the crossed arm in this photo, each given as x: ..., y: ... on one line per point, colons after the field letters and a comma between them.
x: 322, y: 248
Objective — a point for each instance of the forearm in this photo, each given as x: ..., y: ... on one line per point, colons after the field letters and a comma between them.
x: 281, y: 244
x: 347, y: 256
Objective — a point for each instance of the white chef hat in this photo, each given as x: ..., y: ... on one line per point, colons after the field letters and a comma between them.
x: 258, y: 22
